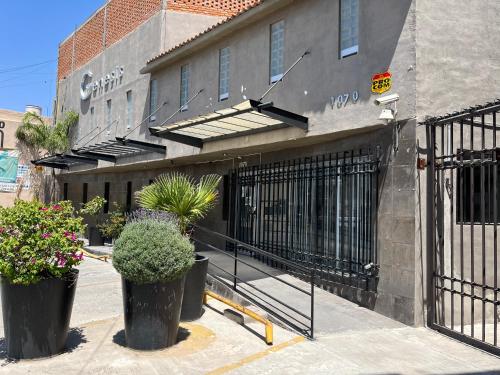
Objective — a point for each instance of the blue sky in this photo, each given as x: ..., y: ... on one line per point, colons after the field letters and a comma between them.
x: 30, y: 32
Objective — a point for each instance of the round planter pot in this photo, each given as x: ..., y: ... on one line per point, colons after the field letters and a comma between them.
x: 152, y: 313
x: 192, y: 303
x: 36, y: 317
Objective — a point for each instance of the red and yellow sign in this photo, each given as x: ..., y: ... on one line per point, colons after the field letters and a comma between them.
x: 381, y: 82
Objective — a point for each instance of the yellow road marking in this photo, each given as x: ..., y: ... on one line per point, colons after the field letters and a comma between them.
x: 256, y: 356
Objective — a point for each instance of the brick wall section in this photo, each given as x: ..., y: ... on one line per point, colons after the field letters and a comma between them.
x: 120, y: 17
x: 65, y: 58
x: 124, y: 16
x: 224, y: 8
x: 89, y: 39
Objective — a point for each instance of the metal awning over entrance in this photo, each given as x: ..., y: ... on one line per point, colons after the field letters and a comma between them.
x: 64, y: 161
x: 120, y: 147
x: 248, y: 117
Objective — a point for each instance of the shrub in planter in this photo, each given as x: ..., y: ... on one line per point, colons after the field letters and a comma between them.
x: 152, y: 257
x: 112, y: 227
x: 188, y: 201
x: 90, y: 209
x: 39, y: 249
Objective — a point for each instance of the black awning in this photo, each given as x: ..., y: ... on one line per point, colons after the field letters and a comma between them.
x: 64, y: 161
x: 120, y: 147
x: 248, y: 117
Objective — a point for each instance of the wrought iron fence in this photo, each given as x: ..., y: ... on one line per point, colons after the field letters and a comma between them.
x: 463, y: 216
x: 319, y: 212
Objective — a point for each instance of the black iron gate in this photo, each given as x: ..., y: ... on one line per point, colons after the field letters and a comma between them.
x: 318, y: 212
x: 464, y: 213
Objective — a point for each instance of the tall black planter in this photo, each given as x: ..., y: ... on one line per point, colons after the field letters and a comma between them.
x: 95, y: 237
x: 192, y: 304
x: 152, y: 313
x: 36, y: 317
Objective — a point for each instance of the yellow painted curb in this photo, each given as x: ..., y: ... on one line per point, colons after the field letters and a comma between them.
x: 256, y: 356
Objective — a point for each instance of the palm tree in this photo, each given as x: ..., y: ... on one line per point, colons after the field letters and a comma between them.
x: 181, y: 196
x: 37, y: 139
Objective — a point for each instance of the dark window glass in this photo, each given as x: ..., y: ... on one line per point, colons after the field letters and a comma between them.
x: 225, y: 197
x: 65, y: 192
x: 129, y: 196
x: 474, y: 197
x: 85, y: 196
x: 106, y: 197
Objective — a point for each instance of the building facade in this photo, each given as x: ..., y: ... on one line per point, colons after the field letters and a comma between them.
x: 14, y: 176
x: 321, y: 169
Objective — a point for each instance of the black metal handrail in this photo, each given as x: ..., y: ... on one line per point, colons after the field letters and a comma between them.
x: 271, y: 304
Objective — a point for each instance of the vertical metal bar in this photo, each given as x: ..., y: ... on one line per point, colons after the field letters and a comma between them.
x: 238, y: 215
x: 452, y: 222
x: 312, y: 303
x: 472, y: 220
x: 440, y: 263
x: 483, y: 233
x: 462, y: 204
x: 430, y: 224
x: 495, y: 233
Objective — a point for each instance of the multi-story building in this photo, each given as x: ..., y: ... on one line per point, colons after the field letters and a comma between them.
x: 14, y: 170
x: 309, y: 109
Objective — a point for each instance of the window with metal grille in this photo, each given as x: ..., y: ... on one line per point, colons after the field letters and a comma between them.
x: 277, y: 52
x: 184, y: 87
x: 130, y: 109
x: 349, y: 27
x: 476, y: 192
x: 153, y: 99
x: 224, y: 57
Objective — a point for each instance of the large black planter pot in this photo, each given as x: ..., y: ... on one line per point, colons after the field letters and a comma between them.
x: 192, y: 304
x: 36, y: 317
x: 95, y: 237
x: 152, y: 313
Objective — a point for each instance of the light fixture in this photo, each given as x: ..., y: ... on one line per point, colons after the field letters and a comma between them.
x: 387, y: 115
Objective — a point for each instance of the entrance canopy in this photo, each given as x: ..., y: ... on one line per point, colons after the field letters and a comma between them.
x: 120, y: 147
x: 64, y: 161
x: 248, y: 117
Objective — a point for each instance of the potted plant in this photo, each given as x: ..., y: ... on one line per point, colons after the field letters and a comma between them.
x: 113, y: 225
x: 39, y: 249
x: 188, y: 201
x: 92, y: 208
x: 152, y: 257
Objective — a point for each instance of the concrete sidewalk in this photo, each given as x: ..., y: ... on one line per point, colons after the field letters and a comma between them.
x: 358, y: 341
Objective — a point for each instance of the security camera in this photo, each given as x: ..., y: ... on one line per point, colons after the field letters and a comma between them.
x: 388, y: 99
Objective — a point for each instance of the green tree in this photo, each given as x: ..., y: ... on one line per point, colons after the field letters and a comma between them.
x: 37, y: 139
x: 182, y: 196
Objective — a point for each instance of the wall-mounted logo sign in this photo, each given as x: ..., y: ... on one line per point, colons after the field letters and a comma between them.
x: 87, y: 87
x: 381, y: 82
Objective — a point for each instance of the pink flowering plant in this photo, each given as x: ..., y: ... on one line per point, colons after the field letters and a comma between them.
x: 39, y: 241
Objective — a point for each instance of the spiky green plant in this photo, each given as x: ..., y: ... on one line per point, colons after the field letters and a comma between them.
x: 180, y: 195
x: 36, y: 139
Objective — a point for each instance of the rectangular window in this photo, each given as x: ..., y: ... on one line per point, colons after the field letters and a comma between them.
x: 65, y: 192
x: 184, y: 87
x: 349, y: 27
x: 106, y: 197
x: 130, y: 110
x: 85, y: 196
x: 277, y: 62
x: 224, y: 73
x: 92, y: 118
x: 128, y: 205
x: 471, y: 196
x: 153, y: 99
x: 108, y: 115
